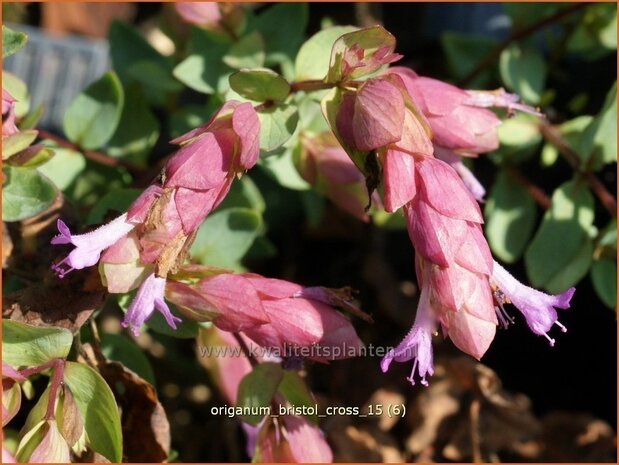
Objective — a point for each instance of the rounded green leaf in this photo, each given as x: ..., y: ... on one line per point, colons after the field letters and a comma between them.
x: 65, y: 166
x: 510, y: 218
x: 282, y: 26
x: 560, y: 253
x: 12, y: 41
x: 280, y: 165
x: 295, y: 391
x: 464, y: 52
x: 138, y: 129
x: 277, y: 124
x: 257, y: 389
x: 312, y: 61
x: 27, y: 346
x: 224, y: 237
x: 523, y: 70
x: 204, y: 70
x: 92, y: 117
x: 25, y: 193
x: 248, y: 52
x: 604, y: 278
x: 97, y: 406
x: 19, y: 91
x: 260, y: 84
x: 17, y: 142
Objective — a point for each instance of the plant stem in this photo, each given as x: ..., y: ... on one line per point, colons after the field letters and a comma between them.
x: 93, y: 155
x: 245, y: 349
x: 38, y: 369
x: 56, y: 382
x: 517, y: 35
x: 309, y: 86
x: 534, y: 191
x: 552, y: 135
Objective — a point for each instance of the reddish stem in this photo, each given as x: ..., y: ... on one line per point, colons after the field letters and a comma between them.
x: 38, y: 369
x: 309, y: 86
x: 553, y: 135
x: 517, y: 35
x: 245, y: 349
x: 56, y: 382
x: 97, y: 157
x: 534, y: 191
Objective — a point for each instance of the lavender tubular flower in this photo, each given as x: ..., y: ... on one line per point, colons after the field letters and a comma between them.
x: 88, y: 246
x: 148, y: 298
x: 417, y: 344
x: 163, y: 219
x: 537, y: 307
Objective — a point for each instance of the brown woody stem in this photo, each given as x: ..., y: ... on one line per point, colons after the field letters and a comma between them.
x: 93, y: 155
x: 517, y: 35
x: 553, y: 135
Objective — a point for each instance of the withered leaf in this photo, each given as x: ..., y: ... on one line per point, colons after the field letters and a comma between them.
x: 67, y: 303
x: 146, y: 431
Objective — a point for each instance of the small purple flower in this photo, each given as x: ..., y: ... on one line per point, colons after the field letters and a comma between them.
x: 88, y: 246
x: 537, y: 307
x: 149, y: 296
x: 417, y: 344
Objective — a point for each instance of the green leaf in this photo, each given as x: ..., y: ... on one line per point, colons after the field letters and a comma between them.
x: 277, y: 124
x: 92, y: 117
x: 224, y: 237
x: 95, y: 181
x: 280, y: 165
x: 138, y: 129
x: 464, y: 52
x: 28, y: 346
x: 561, y: 250
x: 248, y: 52
x: 519, y: 131
x: 257, y: 389
x: 510, y: 218
x: 19, y: 91
x: 12, y: 41
x: 117, y: 200
x: 17, y: 142
x: 604, y: 278
x: 282, y: 26
x: 596, y: 33
x: 519, y: 137
x: 260, y: 84
x: 244, y: 193
x: 25, y: 193
x: 523, y: 70
x: 36, y: 156
x: 599, y: 140
x: 128, y: 47
x: 524, y: 14
x: 155, y: 75
x: 203, y: 69
x: 312, y: 61
x: 187, y: 118
x: 295, y: 391
x: 97, y: 406
x: 64, y: 167
x: 121, y: 349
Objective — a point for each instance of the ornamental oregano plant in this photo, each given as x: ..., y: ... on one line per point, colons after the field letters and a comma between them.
x: 337, y: 116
